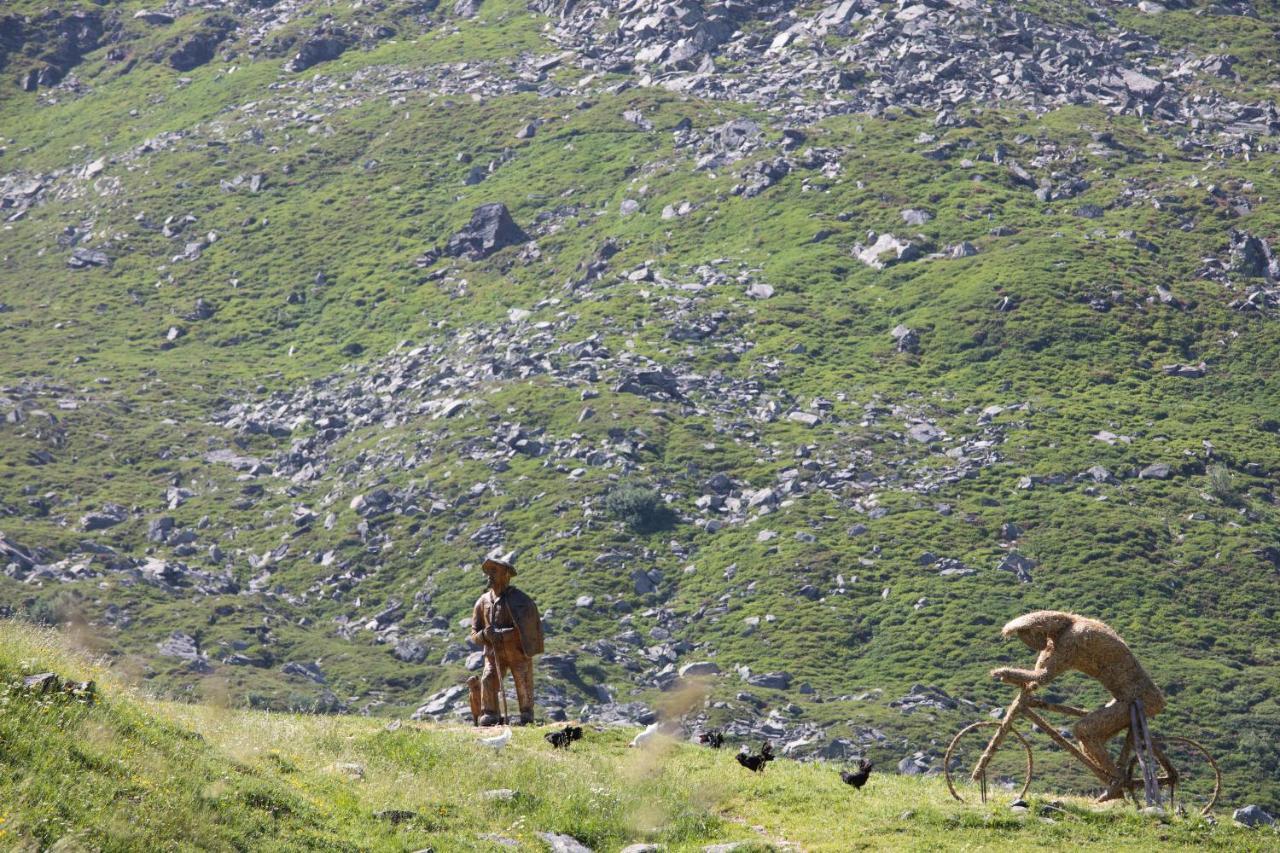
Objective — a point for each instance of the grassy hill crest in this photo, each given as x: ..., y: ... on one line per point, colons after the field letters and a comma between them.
x: 126, y: 772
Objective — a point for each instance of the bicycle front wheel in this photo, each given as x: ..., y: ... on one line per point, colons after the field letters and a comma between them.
x: 1007, y: 774
x: 1188, y: 777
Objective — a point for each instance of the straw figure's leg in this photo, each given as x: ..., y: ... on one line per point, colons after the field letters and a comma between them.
x: 1093, y: 731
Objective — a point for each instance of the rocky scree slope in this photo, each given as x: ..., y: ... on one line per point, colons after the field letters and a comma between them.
x: 896, y: 319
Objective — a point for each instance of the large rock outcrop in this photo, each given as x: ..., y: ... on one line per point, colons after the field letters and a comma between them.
x: 491, y: 228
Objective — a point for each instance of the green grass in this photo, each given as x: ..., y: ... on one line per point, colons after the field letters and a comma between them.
x: 129, y: 772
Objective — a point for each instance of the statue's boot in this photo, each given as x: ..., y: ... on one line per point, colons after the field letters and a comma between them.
x: 489, y: 718
x: 526, y: 718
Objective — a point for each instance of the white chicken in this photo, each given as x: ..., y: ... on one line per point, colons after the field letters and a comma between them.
x: 497, y: 742
x: 649, y: 735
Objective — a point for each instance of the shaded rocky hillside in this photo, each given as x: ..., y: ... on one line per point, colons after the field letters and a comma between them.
x: 801, y: 344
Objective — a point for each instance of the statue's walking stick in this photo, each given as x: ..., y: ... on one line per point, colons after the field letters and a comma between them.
x: 502, y: 687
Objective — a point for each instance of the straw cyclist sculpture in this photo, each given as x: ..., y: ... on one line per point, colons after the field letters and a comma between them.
x: 1066, y: 641
x: 505, y: 622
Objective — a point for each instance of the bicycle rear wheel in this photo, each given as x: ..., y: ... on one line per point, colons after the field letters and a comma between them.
x: 1007, y: 774
x: 1188, y: 776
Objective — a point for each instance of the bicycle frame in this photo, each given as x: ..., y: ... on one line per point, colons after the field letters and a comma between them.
x: 1022, y: 707
x: 1159, y: 777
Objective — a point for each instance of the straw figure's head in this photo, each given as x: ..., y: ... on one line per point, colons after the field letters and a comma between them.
x: 1038, y: 629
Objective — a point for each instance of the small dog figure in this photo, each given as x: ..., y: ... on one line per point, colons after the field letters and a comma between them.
x: 564, y: 737
x: 713, y: 738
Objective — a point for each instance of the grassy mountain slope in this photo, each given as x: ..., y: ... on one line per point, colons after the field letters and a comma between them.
x: 315, y: 286
x: 126, y: 773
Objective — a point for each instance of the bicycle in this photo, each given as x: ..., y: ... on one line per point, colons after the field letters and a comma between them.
x: 1175, y: 770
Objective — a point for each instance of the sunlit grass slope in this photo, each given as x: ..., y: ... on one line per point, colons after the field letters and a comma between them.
x: 129, y: 773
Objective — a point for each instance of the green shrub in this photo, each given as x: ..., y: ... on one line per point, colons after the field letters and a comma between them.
x: 42, y: 612
x: 53, y: 608
x: 640, y: 507
x: 1221, y: 485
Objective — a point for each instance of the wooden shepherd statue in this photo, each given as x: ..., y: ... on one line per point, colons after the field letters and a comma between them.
x: 506, y: 623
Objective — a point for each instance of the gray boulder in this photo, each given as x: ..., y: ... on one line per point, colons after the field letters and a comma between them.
x: 771, y: 680
x: 1018, y: 564
x: 1155, y: 471
x: 924, y: 697
x: 1185, y: 371
x: 925, y: 433
x: 719, y: 484
x: 905, y: 339
x: 308, y: 670
x: 85, y: 258
x: 559, y: 843
x: 697, y: 668
x: 491, y: 228
x: 645, y: 582
x: 886, y: 251
x: 199, y: 47
x: 1099, y: 474
x: 160, y: 528
x: 1252, y: 815
x: 321, y: 46
x: 1252, y: 256
x: 917, y: 764
x: 410, y: 650
x: 12, y: 553
x: 179, y: 645
x: 109, y: 516
x: 184, y: 647
x: 156, y: 18
x: 913, y: 216
x: 440, y: 702
x: 1141, y: 86
x: 735, y: 135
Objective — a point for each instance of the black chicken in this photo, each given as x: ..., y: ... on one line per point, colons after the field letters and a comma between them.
x: 756, y: 763
x: 859, y: 777
x: 564, y: 737
x: 713, y: 738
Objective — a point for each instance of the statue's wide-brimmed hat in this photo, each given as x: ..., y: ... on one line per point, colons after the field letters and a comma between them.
x: 491, y: 563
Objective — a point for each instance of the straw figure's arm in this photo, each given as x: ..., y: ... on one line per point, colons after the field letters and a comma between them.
x: 1049, y: 666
